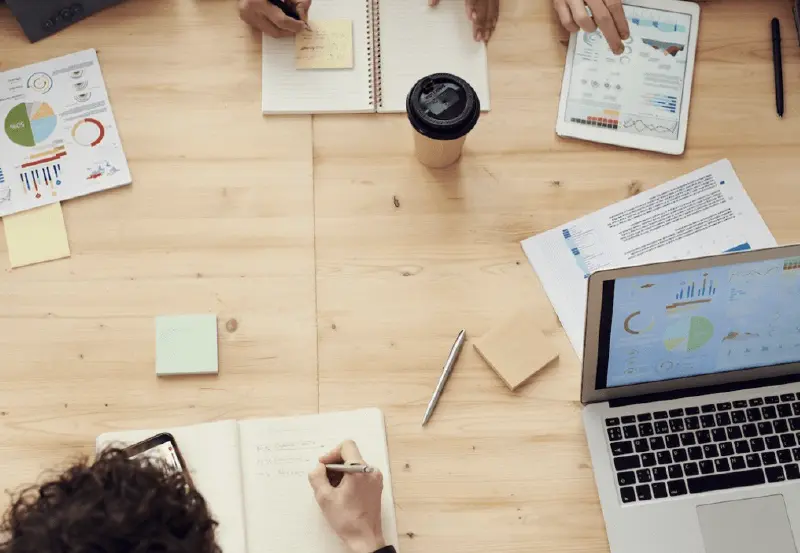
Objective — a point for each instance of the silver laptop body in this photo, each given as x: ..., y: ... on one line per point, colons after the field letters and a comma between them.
x: 691, y: 393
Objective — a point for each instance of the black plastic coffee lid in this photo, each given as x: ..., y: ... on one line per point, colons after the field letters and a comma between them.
x: 443, y: 107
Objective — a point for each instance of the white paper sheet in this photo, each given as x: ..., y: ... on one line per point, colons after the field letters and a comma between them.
x: 211, y: 452
x: 703, y: 213
x: 417, y: 40
x: 58, y: 136
x: 277, y: 455
x: 286, y: 89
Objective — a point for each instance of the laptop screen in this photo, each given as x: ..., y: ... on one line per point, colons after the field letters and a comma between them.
x: 698, y: 322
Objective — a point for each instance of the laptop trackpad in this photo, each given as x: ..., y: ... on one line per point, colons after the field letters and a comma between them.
x: 747, y: 526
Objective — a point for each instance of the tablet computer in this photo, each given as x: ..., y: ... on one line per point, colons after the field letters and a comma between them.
x: 639, y: 99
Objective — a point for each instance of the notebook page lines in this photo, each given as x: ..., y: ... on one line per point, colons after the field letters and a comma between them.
x: 286, y: 89
x: 417, y: 40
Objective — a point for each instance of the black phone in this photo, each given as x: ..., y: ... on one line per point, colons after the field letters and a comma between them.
x: 161, y: 447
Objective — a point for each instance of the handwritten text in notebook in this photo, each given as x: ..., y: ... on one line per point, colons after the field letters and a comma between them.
x: 328, y: 45
x: 288, y: 458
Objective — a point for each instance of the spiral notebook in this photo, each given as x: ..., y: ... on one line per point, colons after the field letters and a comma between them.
x: 394, y: 43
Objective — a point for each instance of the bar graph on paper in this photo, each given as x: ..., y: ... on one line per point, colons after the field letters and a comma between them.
x: 37, y: 181
x: 586, y: 248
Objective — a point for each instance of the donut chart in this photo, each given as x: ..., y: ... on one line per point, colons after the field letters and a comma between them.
x: 631, y: 328
x: 30, y: 124
x: 88, y: 132
x: 40, y: 82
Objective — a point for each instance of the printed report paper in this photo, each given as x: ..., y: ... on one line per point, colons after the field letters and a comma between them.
x: 58, y: 136
x: 703, y: 213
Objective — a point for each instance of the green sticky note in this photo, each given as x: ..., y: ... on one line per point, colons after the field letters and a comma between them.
x: 186, y: 344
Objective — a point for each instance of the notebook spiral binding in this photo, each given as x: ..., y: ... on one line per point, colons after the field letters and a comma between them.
x: 374, y: 53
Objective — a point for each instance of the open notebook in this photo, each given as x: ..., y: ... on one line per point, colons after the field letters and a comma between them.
x: 253, y: 474
x: 395, y: 43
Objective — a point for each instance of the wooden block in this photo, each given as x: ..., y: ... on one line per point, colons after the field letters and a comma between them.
x: 516, y: 349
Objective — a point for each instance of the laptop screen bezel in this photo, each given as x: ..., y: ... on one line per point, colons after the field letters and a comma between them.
x: 595, y: 343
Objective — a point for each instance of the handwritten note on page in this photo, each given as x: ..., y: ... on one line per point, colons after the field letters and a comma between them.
x: 276, y: 456
x: 328, y: 45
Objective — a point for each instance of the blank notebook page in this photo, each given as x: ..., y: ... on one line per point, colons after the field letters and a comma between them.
x: 211, y: 452
x: 417, y: 40
x: 285, y: 89
x: 277, y: 455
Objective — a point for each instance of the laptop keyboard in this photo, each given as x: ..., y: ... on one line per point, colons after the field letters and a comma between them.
x: 715, y: 446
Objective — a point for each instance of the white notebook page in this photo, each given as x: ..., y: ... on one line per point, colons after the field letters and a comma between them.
x: 277, y: 455
x: 211, y: 453
x: 285, y: 89
x: 417, y: 40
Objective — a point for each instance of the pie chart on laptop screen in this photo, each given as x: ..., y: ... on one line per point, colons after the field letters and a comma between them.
x: 30, y: 124
x: 688, y: 334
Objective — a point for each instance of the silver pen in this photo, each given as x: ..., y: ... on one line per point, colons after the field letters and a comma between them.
x: 448, y: 368
x: 350, y: 469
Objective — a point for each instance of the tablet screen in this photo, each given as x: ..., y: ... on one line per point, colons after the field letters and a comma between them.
x: 639, y: 92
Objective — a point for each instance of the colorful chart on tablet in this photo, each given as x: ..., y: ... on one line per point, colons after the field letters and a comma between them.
x: 640, y: 91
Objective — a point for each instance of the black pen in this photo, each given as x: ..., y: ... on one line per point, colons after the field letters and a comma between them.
x: 777, y: 61
x: 289, y: 10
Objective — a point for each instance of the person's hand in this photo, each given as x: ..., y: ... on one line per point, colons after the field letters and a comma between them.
x: 606, y: 14
x: 483, y: 14
x: 353, y: 506
x: 271, y: 20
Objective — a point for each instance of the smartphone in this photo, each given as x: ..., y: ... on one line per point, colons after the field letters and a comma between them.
x: 161, y: 447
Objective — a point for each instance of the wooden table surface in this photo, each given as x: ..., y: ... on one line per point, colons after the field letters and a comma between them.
x: 289, y: 226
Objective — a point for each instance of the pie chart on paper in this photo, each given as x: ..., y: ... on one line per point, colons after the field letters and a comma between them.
x: 30, y: 124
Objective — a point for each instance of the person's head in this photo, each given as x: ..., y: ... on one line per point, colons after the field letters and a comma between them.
x: 111, y: 505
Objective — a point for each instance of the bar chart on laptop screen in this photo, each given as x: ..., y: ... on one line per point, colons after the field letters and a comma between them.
x: 698, y: 322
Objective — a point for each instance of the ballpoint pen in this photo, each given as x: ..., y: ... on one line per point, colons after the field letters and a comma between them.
x: 777, y: 62
x: 448, y: 368
x: 289, y: 10
x: 350, y: 469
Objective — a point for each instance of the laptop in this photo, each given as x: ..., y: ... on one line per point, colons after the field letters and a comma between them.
x: 692, y: 403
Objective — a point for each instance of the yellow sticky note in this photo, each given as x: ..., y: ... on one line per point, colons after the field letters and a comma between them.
x: 36, y: 235
x: 328, y: 45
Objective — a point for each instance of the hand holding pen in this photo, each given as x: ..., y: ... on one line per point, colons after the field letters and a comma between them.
x: 276, y: 18
x: 348, y: 492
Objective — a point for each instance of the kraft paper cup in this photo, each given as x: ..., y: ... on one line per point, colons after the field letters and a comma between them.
x: 442, y: 110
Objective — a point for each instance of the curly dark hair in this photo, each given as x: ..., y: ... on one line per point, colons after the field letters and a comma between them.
x: 111, y: 505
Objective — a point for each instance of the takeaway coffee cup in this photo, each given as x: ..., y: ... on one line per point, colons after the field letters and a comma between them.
x: 442, y: 109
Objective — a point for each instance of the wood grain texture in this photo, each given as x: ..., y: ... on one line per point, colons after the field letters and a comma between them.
x: 497, y: 470
x: 219, y: 220
x: 349, y: 267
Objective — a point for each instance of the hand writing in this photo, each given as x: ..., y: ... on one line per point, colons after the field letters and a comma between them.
x: 606, y: 14
x: 483, y: 14
x: 353, y: 506
x: 270, y: 20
